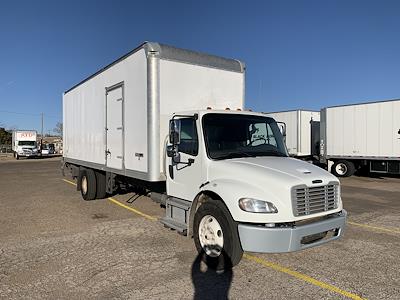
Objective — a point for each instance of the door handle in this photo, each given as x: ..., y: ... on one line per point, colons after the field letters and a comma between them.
x: 108, y: 152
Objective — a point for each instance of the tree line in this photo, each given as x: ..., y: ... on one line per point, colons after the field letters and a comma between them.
x: 5, y: 136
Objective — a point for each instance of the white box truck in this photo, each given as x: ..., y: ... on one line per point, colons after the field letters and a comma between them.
x: 156, y: 119
x: 301, y: 131
x: 364, y: 135
x: 24, y: 143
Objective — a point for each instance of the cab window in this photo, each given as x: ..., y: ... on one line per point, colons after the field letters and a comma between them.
x: 189, y: 143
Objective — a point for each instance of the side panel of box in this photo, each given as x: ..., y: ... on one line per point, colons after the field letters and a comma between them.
x: 334, y: 131
x: 290, y: 118
x: 135, y: 117
x: 84, y: 122
x: 85, y: 115
x: 186, y: 87
x: 305, y: 131
x: 364, y: 130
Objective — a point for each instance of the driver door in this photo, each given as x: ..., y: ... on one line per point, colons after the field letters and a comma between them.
x: 183, y: 179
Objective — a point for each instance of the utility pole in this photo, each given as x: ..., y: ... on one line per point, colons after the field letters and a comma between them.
x: 41, y: 137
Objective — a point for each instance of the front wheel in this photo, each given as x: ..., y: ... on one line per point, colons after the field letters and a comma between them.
x: 216, y: 236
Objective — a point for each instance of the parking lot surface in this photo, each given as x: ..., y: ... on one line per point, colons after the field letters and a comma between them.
x: 53, y: 245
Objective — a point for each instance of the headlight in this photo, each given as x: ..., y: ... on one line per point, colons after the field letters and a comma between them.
x: 257, y: 206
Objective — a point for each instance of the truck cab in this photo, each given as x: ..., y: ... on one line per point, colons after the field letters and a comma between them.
x: 243, y: 191
x: 24, y: 143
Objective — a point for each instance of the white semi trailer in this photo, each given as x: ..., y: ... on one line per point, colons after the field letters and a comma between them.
x: 156, y: 119
x: 301, y: 131
x: 24, y: 143
x: 364, y: 135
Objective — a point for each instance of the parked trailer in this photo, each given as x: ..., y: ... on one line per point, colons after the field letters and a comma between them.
x: 365, y: 135
x: 301, y: 129
x: 224, y: 176
x: 24, y: 143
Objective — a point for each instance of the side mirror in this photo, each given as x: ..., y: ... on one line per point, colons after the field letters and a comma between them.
x: 172, y: 151
x: 174, y: 132
x: 282, y: 128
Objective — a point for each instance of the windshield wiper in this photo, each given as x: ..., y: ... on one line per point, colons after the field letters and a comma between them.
x: 236, y: 155
x: 274, y: 153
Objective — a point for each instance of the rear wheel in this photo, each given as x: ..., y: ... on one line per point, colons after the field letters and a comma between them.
x: 100, y: 185
x: 88, y: 184
x: 343, y: 168
x: 216, y: 236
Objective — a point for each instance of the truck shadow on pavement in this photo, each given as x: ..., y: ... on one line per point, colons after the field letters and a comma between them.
x: 209, y: 282
x: 366, y: 174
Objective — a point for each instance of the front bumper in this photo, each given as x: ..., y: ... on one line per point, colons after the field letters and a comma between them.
x: 277, y: 240
x: 27, y: 154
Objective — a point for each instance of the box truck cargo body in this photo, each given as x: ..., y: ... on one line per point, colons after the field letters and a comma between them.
x: 361, y: 135
x: 157, y: 120
x: 24, y: 143
x: 118, y: 119
x: 301, y: 131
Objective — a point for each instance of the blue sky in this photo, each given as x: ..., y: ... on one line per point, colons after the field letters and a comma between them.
x: 299, y: 54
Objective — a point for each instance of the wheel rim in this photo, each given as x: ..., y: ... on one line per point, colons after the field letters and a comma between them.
x: 341, y: 169
x: 84, y: 185
x: 211, y: 236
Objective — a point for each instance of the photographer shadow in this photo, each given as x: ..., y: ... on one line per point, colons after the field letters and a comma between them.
x: 209, y: 280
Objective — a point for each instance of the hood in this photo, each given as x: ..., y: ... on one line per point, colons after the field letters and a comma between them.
x: 27, y: 147
x: 267, y: 178
x: 275, y: 170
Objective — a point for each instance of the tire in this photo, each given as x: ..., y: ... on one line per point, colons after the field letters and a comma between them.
x: 343, y: 168
x: 100, y: 185
x: 213, y: 255
x: 16, y: 156
x: 88, y: 184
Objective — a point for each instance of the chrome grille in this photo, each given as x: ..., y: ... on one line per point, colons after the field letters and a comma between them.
x: 312, y: 200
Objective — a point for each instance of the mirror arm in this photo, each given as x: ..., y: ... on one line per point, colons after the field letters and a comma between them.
x: 186, y: 163
x: 189, y: 162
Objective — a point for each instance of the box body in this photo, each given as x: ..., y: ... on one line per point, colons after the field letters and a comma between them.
x: 367, y: 130
x: 299, y: 141
x: 117, y: 119
x: 22, y: 135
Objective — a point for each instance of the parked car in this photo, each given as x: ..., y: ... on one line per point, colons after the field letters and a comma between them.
x: 45, y: 150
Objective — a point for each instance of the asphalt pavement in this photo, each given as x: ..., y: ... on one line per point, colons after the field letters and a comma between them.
x: 54, y: 245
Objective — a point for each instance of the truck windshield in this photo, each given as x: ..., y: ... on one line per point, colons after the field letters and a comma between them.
x: 26, y: 143
x: 234, y: 135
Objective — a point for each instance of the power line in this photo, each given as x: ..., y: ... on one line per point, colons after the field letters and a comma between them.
x: 27, y: 114
x: 18, y: 113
